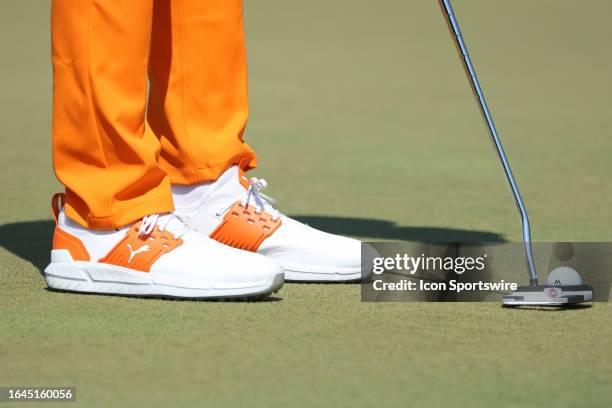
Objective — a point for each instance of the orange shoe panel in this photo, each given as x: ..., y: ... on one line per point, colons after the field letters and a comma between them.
x: 244, y: 228
x: 141, y: 252
x: 57, y: 202
x: 64, y: 240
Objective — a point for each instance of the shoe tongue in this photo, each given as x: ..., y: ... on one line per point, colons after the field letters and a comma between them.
x: 173, y: 221
x: 232, y: 186
x: 174, y: 224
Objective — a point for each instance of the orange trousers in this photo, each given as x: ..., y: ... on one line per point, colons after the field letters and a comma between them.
x: 116, y: 147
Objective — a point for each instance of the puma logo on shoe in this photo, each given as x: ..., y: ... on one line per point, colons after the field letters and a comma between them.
x: 133, y: 253
x: 155, y: 243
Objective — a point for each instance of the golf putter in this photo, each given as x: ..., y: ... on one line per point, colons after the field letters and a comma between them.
x: 534, y: 294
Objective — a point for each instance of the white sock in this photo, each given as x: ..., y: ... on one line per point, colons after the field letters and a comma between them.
x: 186, y: 197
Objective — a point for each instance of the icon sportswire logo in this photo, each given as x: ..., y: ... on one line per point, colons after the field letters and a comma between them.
x: 140, y: 250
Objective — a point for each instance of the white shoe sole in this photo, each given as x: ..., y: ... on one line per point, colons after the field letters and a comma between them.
x: 297, y: 272
x: 317, y: 273
x: 350, y: 275
x: 92, y: 277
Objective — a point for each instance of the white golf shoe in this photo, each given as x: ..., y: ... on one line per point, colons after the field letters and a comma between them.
x: 234, y: 211
x: 157, y: 256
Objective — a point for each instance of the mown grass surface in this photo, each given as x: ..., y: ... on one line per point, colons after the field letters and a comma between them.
x: 364, y: 125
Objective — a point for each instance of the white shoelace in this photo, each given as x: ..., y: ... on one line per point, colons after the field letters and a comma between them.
x: 254, y: 197
x: 164, y: 222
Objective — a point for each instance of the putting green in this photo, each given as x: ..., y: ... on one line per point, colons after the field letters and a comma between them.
x: 364, y: 125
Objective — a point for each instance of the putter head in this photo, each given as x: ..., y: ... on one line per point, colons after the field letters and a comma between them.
x: 548, y: 295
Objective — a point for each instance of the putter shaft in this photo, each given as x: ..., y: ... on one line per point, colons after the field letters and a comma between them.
x: 453, y: 26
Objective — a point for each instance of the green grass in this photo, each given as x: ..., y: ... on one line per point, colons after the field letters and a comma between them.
x: 364, y: 124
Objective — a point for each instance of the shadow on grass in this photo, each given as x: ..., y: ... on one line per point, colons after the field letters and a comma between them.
x: 31, y: 240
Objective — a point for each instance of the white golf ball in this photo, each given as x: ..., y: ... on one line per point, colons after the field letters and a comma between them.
x: 563, y: 275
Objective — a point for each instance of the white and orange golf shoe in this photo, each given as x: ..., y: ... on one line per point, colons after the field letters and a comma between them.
x: 157, y: 256
x: 233, y: 210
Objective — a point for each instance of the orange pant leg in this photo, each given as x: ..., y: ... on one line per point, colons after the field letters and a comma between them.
x: 102, y: 152
x: 198, y: 97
